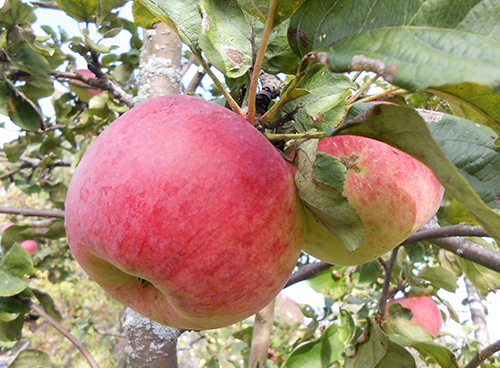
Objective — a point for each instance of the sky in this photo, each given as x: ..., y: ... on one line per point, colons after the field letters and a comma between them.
x: 300, y: 292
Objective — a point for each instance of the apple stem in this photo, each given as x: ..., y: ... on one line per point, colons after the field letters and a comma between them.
x: 387, y: 280
x: 273, y: 5
x: 365, y: 87
x: 230, y: 100
x: 306, y: 135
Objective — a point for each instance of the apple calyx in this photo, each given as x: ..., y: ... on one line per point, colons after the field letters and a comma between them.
x: 319, y: 179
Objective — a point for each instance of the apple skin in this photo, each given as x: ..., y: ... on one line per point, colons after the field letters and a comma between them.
x: 81, y: 89
x: 6, y: 226
x: 393, y: 193
x: 426, y: 314
x: 187, y: 195
x: 30, y: 245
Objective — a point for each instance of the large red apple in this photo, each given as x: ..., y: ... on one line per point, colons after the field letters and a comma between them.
x: 184, y: 212
x: 82, y: 90
x: 426, y: 314
x: 393, y: 193
x: 30, y: 245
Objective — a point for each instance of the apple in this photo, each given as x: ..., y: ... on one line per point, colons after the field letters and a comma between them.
x: 30, y: 245
x: 6, y: 226
x: 82, y: 90
x: 184, y: 212
x: 426, y: 314
x: 393, y: 193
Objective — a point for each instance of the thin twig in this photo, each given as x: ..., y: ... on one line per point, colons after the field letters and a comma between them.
x: 32, y: 212
x: 307, y: 272
x: 482, y: 355
x: 362, y: 90
x: 387, y: 280
x: 51, y: 321
x: 273, y: 5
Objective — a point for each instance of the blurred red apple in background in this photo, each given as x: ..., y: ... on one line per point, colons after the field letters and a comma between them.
x: 184, y: 212
x: 393, y: 193
x: 426, y: 314
x: 82, y: 90
x: 30, y: 245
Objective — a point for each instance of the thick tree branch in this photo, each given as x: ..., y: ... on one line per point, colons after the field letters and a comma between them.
x: 482, y: 355
x: 473, y: 252
x: 32, y: 212
x: 478, y: 313
x: 307, y: 272
x: 51, y: 321
x: 446, y: 232
x: 262, y: 328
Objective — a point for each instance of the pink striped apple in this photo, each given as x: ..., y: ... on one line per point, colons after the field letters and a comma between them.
x: 393, y: 193
x: 426, y: 314
x: 184, y: 212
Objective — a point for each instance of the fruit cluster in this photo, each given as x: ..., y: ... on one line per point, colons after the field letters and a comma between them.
x: 186, y: 213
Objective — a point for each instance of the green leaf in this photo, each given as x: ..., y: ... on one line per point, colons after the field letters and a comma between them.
x: 472, y: 101
x: 325, y: 103
x: 481, y: 277
x: 371, y: 347
x: 279, y: 57
x: 472, y: 150
x: 404, y: 129
x: 53, y: 229
x: 439, y: 277
x: 213, y: 363
x: 11, y: 308
x: 48, y: 304
x: 260, y: 9
x: 369, y: 273
x: 320, y: 353
x: 225, y: 37
x: 13, y: 150
x: 15, y: 12
x: 17, y: 261
x: 443, y: 356
x: 329, y: 170
x: 10, y: 284
x: 38, y: 86
x: 31, y: 358
x: 21, y: 111
x: 414, y: 44
x: 27, y: 59
x: 12, y: 330
x: 347, y: 327
x: 397, y: 357
x: 183, y: 16
x: 142, y: 16
x: 405, y: 328
x: 326, y: 202
x: 82, y: 10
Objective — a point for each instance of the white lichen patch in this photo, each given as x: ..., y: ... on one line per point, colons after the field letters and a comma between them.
x: 205, y: 22
x: 430, y: 116
x: 236, y: 57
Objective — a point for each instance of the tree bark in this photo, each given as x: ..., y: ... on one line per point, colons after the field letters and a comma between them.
x: 478, y: 313
x: 150, y: 344
x: 261, y: 335
x: 160, y: 64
